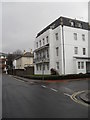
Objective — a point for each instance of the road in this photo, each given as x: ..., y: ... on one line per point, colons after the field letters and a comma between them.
x: 42, y: 100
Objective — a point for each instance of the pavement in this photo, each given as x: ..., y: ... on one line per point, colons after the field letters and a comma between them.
x: 85, y: 96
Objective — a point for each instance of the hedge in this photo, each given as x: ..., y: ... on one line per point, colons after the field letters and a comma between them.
x: 56, y: 77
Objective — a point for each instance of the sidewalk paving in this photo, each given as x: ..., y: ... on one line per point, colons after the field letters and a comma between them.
x: 48, y: 81
x: 85, y: 97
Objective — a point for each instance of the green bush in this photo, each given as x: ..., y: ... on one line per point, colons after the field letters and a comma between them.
x: 56, y: 77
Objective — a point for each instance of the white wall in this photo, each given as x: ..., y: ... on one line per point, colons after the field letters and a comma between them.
x: 70, y: 43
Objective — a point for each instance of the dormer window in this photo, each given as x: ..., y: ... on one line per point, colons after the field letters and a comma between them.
x: 79, y: 25
x: 71, y: 23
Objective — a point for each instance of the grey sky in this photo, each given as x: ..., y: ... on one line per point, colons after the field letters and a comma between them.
x: 21, y: 21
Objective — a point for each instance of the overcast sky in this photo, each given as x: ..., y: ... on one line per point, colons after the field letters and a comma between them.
x: 21, y: 21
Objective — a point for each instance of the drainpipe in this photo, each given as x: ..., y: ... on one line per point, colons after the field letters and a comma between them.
x: 63, y: 47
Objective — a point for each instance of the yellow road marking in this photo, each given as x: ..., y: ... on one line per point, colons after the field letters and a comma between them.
x: 73, y: 97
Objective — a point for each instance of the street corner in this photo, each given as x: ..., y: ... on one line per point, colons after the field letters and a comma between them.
x: 85, y: 96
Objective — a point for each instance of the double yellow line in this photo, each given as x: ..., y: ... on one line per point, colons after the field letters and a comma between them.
x: 73, y: 97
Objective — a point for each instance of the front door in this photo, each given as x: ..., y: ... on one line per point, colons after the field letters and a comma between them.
x: 87, y: 67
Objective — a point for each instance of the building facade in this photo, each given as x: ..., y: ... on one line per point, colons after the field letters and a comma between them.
x: 25, y: 60
x: 64, y: 46
x: 3, y: 62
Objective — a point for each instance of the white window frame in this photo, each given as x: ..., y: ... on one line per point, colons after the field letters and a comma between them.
x: 47, y: 38
x: 75, y: 36
x: 84, y: 51
x: 56, y: 36
x: 43, y: 41
x: 40, y: 43
x: 57, y: 51
x: 37, y: 44
x: 82, y: 65
x: 75, y: 50
x: 79, y: 64
x: 83, y: 37
x: 57, y: 65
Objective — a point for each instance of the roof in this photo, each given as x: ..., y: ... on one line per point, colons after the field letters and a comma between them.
x: 3, y: 54
x: 27, y: 54
x: 66, y: 22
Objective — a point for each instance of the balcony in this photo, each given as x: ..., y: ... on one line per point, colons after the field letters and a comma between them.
x: 41, y: 48
x: 41, y: 60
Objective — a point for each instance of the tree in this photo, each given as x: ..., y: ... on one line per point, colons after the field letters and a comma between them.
x: 11, y: 57
x: 17, y: 52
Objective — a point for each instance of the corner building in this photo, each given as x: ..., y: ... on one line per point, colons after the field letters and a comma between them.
x: 64, y: 46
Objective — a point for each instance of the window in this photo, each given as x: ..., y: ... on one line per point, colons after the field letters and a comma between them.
x: 84, y: 51
x: 40, y: 67
x: 37, y: 67
x: 75, y: 36
x: 37, y: 44
x: 43, y: 41
x: 57, y: 65
x: 44, y: 56
x: 79, y: 25
x: 40, y: 55
x: 72, y: 23
x: 47, y: 53
x: 76, y: 50
x: 83, y: 37
x: 37, y: 56
x: 40, y: 43
x: 47, y: 39
x: 43, y: 67
x: 56, y: 36
x: 47, y: 66
x: 78, y: 65
x: 82, y: 65
x: 57, y: 51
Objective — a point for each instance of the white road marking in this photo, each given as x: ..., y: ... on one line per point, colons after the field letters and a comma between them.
x: 54, y: 89
x: 67, y: 94
x: 19, y: 80
x: 43, y: 86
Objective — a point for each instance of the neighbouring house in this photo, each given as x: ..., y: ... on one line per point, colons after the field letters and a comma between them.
x: 3, y: 62
x: 23, y: 61
x: 64, y: 46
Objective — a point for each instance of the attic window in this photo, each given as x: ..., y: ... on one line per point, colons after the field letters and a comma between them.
x: 79, y: 25
x: 71, y: 23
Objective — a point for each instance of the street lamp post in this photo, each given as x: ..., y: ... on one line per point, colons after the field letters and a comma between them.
x: 42, y: 69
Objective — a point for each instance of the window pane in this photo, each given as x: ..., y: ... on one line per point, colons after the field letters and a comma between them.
x: 43, y: 41
x: 47, y: 39
x: 84, y: 51
x: 57, y: 65
x: 37, y: 44
x: 76, y: 50
x: 82, y: 65
x: 78, y: 65
x: 47, y: 66
x: 57, y: 50
x: 56, y: 36
x: 40, y: 43
x: 75, y: 36
x: 83, y: 37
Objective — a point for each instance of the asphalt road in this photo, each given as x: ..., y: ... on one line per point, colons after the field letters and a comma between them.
x: 42, y: 100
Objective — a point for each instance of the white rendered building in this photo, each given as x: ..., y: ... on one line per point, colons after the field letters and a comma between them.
x: 64, y: 46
